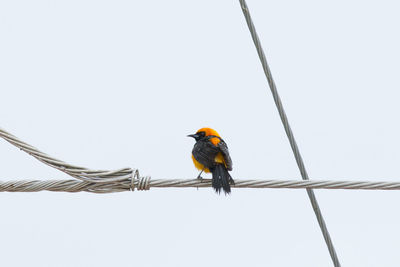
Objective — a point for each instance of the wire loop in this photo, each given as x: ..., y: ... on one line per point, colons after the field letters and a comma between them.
x: 144, y: 183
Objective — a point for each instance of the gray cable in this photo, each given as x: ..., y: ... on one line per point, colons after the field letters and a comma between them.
x: 289, y: 132
x: 104, y: 181
x: 145, y: 183
x: 81, y: 173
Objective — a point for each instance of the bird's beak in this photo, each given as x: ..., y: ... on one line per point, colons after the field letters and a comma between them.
x: 193, y: 135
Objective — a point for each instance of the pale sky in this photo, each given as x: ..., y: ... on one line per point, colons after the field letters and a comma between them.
x: 112, y: 84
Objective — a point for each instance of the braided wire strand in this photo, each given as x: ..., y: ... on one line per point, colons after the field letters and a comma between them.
x: 81, y: 173
x: 145, y: 183
x: 289, y: 133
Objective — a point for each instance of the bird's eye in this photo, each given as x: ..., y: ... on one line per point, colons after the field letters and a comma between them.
x: 202, y: 134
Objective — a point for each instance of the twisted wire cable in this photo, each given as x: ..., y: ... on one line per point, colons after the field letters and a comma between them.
x: 145, y: 183
x: 81, y: 173
x: 97, y: 181
x: 289, y: 132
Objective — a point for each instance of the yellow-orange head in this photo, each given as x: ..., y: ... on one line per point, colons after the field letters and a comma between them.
x: 203, y: 132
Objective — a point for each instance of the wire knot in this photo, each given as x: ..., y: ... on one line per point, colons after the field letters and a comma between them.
x: 134, y: 177
x: 143, y: 183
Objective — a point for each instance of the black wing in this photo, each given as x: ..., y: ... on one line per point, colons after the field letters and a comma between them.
x: 225, y: 153
x: 204, y: 152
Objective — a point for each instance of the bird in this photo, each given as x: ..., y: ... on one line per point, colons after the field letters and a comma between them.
x: 210, y: 154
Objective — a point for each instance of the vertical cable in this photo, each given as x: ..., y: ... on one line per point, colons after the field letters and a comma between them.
x: 289, y: 132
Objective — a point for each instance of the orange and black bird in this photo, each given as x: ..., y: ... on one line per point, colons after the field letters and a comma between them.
x: 210, y: 154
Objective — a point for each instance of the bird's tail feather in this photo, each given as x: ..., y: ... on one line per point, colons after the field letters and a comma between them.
x: 221, y: 179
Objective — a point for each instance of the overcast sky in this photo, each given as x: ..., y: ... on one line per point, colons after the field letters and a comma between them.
x: 112, y: 84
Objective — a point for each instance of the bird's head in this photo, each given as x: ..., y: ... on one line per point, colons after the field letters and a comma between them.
x: 203, y: 132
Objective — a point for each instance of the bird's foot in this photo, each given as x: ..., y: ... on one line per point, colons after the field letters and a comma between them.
x: 200, y: 178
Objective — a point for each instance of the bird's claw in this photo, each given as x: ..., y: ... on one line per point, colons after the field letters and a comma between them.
x: 200, y: 178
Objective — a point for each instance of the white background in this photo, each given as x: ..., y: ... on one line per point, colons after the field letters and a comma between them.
x: 111, y: 84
